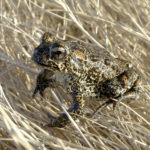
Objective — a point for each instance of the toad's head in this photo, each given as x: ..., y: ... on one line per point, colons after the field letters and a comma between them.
x: 51, y: 53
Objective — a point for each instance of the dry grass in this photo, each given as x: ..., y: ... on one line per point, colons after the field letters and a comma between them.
x: 122, y: 27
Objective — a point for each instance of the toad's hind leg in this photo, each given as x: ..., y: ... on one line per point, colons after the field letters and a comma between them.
x: 121, y: 87
x: 75, y: 110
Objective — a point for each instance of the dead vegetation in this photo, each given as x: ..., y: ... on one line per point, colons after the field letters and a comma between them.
x: 122, y: 27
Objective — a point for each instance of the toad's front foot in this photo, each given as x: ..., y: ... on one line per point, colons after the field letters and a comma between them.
x: 74, y: 111
x: 59, y: 122
x: 44, y: 80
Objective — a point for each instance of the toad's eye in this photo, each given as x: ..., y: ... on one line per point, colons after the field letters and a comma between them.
x: 57, y: 51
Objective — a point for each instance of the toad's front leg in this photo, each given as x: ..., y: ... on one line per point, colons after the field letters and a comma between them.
x: 75, y: 110
x: 44, y: 80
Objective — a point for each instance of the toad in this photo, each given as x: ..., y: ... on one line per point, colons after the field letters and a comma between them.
x: 86, y: 72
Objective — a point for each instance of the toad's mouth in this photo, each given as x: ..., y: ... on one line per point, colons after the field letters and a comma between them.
x: 43, y: 65
x: 47, y: 65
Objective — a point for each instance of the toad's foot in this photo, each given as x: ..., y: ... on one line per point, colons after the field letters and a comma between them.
x: 75, y: 110
x: 44, y: 80
x: 118, y: 85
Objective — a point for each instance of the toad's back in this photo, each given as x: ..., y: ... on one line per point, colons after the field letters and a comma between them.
x: 93, y: 63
